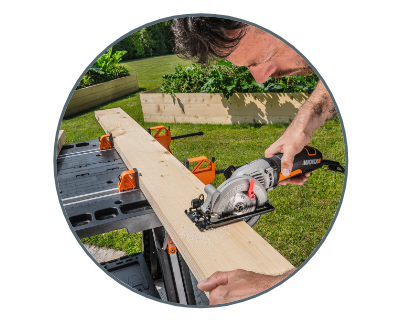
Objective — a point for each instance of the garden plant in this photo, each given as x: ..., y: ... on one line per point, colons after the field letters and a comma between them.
x: 228, y: 79
x: 106, y: 68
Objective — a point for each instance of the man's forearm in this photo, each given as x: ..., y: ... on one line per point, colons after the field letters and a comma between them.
x: 314, y: 113
x: 317, y: 110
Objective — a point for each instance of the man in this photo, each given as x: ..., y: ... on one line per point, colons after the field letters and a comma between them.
x: 206, y: 38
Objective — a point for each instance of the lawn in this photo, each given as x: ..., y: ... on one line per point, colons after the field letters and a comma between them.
x: 303, y: 213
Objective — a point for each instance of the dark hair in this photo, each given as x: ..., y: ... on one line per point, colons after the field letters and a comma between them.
x: 205, y: 38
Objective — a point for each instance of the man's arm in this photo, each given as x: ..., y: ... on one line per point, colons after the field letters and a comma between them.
x: 225, y: 287
x: 317, y: 110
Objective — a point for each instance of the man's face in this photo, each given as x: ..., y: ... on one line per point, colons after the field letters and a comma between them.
x: 265, y: 56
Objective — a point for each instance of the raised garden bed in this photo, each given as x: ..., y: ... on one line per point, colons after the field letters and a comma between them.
x: 263, y: 108
x: 93, y: 96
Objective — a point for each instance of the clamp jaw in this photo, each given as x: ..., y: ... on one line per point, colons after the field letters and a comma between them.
x: 106, y: 142
x: 205, y: 175
x: 128, y: 180
x: 163, y: 136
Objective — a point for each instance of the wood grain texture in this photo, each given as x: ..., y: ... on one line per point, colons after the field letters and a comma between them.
x: 169, y: 187
x: 93, y: 96
x: 102, y: 86
x: 60, y: 141
x: 265, y: 108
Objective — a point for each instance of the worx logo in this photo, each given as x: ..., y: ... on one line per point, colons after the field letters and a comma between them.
x: 311, y: 161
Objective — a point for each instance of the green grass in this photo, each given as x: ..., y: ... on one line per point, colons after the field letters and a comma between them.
x: 303, y: 213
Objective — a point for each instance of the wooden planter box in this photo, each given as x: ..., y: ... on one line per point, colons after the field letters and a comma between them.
x: 93, y: 96
x: 264, y: 108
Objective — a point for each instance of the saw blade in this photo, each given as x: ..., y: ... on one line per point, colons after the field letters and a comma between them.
x: 234, y: 200
x: 240, y: 203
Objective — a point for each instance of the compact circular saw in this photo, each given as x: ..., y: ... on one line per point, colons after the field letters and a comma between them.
x: 243, y: 196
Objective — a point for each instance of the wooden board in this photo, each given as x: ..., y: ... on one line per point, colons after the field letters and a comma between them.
x: 93, y: 96
x: 60, y: 141
x: 264, y: 108
x: 169, y: 187
x: 102, y: 86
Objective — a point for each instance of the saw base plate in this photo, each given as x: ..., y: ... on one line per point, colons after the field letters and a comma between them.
x: 203, y: 222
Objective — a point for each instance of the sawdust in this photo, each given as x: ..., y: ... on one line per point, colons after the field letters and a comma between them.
x: 226, y: 229
x: 198, y: 237
x: 206, y: 236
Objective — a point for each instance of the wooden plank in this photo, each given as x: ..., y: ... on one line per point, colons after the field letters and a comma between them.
x: 102, y: 86
x: 169, y: 187
x: 164, y: 109
x: 101, y: 94
x: 214, y: 113
x: 211, y: 119
x: 97, y: 99
x: 182, y: 97
x: 152, y: 96
x: 60, y: 141
x: 211, y: 110
x: 183, y: 119
x: 263, y: 108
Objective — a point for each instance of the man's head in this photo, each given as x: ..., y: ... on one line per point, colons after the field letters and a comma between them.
x: 207, y: 38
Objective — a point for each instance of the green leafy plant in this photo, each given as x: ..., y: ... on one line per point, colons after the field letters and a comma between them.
x: 108, y: 60
x: 106, y: 68
x: 228, y: 79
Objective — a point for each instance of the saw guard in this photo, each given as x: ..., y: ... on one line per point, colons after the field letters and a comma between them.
x: 164, y: 139
x: 205, y: 175
x: 238, y: 184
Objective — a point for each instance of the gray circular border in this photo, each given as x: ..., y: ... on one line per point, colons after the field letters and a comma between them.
x: 309, y: 63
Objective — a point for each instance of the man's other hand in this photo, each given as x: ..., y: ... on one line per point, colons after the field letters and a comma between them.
x: 290, y: 144
x: 225, y: 287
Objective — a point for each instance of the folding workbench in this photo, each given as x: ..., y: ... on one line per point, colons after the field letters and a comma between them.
x: 88, y: 185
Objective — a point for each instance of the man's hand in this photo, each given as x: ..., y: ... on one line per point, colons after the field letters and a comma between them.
x: 225, y: 287
x: 290, y: 144
x: 317, y: 110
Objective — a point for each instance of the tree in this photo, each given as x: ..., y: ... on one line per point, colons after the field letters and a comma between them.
x: 151, y: 41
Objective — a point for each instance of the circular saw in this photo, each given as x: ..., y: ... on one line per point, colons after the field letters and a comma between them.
x: 243, y: 196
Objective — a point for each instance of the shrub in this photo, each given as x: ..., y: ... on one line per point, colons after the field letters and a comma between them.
x: 153, y: 40
x: 128, y: 45
x: 228, y: 79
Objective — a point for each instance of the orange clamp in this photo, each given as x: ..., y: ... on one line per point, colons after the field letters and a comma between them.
x: 164, y: 139
x: 207, y: 174
x: 127, y: 181
x: 106, y: 142
x: 171, y: 247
